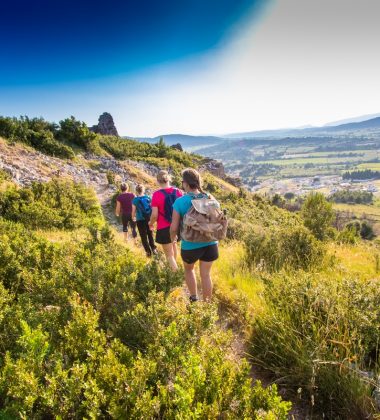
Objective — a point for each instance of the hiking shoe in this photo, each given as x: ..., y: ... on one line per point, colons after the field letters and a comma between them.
x: 193, y: 298
x: 155, y: 251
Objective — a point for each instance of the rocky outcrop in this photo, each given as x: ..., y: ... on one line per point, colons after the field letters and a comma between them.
x: 177, y: 146
x: 106, y: 125
x: 214, y: 166
x: 217, y: 168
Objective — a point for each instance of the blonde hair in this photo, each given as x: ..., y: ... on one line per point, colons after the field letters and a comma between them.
x: 163, y: 177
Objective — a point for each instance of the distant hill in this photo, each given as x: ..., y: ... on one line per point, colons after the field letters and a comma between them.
x: 193, y: 143
x: 352, y: 120
x: 373, y: 123
x: 369, y: 124
x: 187, y: 141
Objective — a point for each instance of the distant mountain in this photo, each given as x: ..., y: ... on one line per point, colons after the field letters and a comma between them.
x: 373, y: 123
x: 193, y: 143
x: 352, y: 120
x: 369, y: 124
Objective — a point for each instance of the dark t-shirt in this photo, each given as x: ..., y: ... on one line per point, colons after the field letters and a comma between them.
x: 125, y: 200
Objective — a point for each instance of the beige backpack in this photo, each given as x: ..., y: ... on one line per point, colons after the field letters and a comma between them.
x: 204, y: 221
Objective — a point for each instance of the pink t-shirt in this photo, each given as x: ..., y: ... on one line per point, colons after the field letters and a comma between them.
x: 158, y: 200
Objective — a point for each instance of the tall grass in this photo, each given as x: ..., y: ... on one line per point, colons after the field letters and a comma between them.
x: 321, y: 335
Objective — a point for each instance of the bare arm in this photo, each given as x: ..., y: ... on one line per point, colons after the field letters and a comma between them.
x: 117, y: 211
x: 175, y: 225
x: 153, y: 217
x: 133, y: 212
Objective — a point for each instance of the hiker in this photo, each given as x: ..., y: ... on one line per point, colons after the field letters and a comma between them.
x: 124, y: 208
x: 162, y: 209
x: 202, y: 224
x: 141, y: 212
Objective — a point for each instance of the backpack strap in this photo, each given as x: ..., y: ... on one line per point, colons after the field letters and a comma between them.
x: 166, y: 194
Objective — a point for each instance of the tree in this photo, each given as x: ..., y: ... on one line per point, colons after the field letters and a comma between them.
x: 317, y: 214
x: 75, y: 132
x: 161, y: 147
x: 278, y: 201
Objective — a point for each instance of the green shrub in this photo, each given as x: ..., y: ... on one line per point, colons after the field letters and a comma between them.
x: 349, y: 235
x: 76, y: 132
x: 87, y: 330
x: 55, y: 204
x: 353, y: 197
x: 35, y: 132
x: 317, y: 214
x: 45, y: 143
x: 290, y: 248
x: 366, y: 230
x: 4, y: 176
x: 318, y: 335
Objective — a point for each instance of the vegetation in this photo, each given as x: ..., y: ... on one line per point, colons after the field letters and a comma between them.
x: 56, y: 204
x: 273, y: 249
x: 362, y: 175
x: 320, y: 335
x: 318, y: 215
x: 35, y: 132
x: 352, y: 197
x: 4, y: 176
x: 89, y: 330
x: 71, y: 136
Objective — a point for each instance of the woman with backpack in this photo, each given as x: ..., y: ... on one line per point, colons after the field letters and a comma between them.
x: 141, y: 212
x: 201, y: 222
x: 162, y: 209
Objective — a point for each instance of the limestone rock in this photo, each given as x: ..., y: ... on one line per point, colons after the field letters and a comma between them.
x: 215, y: 167
x: 106, y: 125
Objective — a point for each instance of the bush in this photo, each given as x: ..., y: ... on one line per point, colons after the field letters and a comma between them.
x: 320, y: 335
x: 352, y: 197
x: 35, y: 132
x: 4, y: 176
x: 76, y: 132
x: 349, y: 235
x: 317, y: 214
x: 90, y: 331
x: 291, y: 248
x: 366, y: 231
x: 45, y: 143
x: 55, y: 204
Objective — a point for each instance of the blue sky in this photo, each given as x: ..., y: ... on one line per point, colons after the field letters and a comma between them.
x: 190, y: 66
x: 62, y: 41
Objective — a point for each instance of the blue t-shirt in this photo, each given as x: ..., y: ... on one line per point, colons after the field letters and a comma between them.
x: 135, y: 202
x: 181, y: 206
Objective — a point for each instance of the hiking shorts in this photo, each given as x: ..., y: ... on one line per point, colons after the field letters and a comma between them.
x: 163, y: 236
x: 126, y: 219
x: 206, y: 253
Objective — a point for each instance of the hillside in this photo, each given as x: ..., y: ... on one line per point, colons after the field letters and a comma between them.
x: 89, y: 328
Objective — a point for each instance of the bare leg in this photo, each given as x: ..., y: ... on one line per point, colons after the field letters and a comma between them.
x: 190, y: 279
x: 205, y: 269
x: 169, y: 254
x: 175, y: 250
